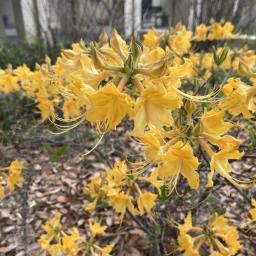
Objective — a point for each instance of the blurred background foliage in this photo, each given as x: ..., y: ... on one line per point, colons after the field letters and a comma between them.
x: 28, y: 53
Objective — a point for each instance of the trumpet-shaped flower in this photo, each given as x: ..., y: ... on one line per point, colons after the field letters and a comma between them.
x: 227, y: 236
x: 118, y: 44
x: 213, y: 123
x: 179, y: 42
x: 121, y: 202
x: 116, y: 176
x: 15, y: 178
x: 108, y: 107
x: 146, y: 201
x: 152, y: 145
x: 96, y: 229
x: 153, y: 107
x: 201, y: 32
x: 235, y: 92
x: 71, y: 109
x: 220, y: 164
x: 180, y: 160
x: 151, y: 39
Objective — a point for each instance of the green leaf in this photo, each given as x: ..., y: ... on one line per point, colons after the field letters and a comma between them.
x: 55, y: 153
x: 252, y: 139
x: 164, y: 193
x: 219, y: 210
x: 221, y: 58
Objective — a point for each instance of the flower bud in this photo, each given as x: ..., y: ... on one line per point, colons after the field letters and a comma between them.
x: 190, y: 107
x: 129, y: 65
x: 98, y: 59
x: 118, y: 44
x: 136, y: 51
x: 198, y: 129
x: 69, y: 54
x: 103, y: 38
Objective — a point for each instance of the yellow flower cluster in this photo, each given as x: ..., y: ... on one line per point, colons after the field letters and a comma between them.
x: 120, y: 187
x: 215, y: 31
x: 13, y: 177
x: 220, y: 237
x: 180, y: 101
x: 57, y: 242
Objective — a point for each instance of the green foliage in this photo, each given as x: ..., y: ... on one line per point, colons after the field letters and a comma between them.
x: 252, y: 136
x: 55, y: 153
x: 219, y: 59
x: 25, y: 53
x: 15, y: 115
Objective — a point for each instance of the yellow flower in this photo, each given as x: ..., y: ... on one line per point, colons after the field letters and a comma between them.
x: 180, y: 41
x: 79, y: 92
x: 121, y: 202
x: 70, y: 243
x: 146, y: 201
x: 235, y: 92
x: 253, y: 211
x: 224, y: 142
x: 2, y: 191
x: 105, y: 251
x: 96, y: 229
x: 109, y: 107
x: 227, y: 30
x: 57, y: 242
x: 219, y: 163
x: 46, y: 108
x: 90, y: 207
x: 187, y: 223
x: 153, y: 179
x: 201, y: 32
x: 23, y: 73
x: 118, y: 44
x: 9, y: 83
x: 227, y: 236
x: 151, y: 39
x: 71, y: 109
x: 213, y: 123
x: 88, y: 73
x: 221, y: 237
x: 153, y: 107
x: 16, y: 166
x: 110, y: 57
x: 180, y: 160
x: 215, y: 31
x: 116, y: 176
x: 53, y: 226
x: 15, y: 178
x: 152, y: 144
x: 207, y: 61
x: 153, y: 63
x: 214, y: 126
x: 186, y: 243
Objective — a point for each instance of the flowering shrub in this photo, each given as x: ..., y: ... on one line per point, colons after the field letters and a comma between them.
x: 184, y: 103
x: 13, y: 177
